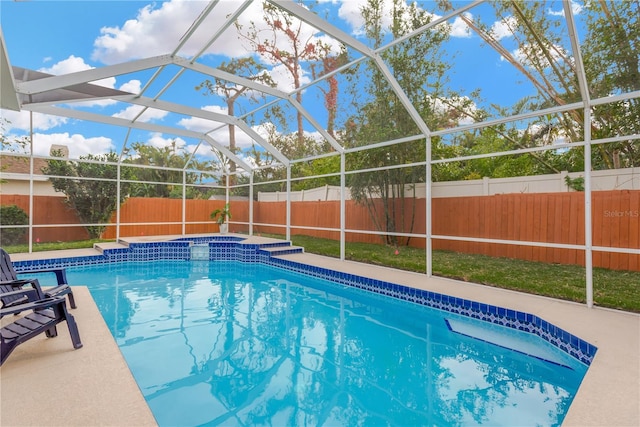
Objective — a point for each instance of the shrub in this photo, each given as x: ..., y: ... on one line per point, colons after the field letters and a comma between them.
x: 13, y: 215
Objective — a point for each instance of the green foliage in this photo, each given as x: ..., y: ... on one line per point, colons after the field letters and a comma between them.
x: 162, y: 174
x: 202, y: 193
x: 13, y: 215
x: 90, y: 186
x: 321, y: 166
x: 280, y: 39
x: 249, y: 69
x: 54, y: 246
x: 384, y: 117
x: 11, y: 145
x: 613, y: 289
x: 611, y: 55
x: 221, y: 215
x: 576, y: 184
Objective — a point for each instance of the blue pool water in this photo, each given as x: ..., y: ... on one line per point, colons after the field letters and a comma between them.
x: 227, y: 343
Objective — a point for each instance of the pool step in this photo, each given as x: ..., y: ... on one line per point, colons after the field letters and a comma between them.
x: 103, y: 246
x: 201, y: 251
x: 282, y: 249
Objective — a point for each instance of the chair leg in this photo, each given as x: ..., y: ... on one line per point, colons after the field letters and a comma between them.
x: 51, y: 333
x: 72, y: 300
x: 73, y: 331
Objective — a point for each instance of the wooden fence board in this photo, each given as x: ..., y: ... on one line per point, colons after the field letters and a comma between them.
x: 623, y: 233
x: 512, y: 225
x: 601, y: 235
x: 49, y: 210
x: 634, y: 228
x: 614, y: 231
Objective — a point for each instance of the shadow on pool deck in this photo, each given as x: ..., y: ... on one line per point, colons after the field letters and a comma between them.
x: 46, y: 382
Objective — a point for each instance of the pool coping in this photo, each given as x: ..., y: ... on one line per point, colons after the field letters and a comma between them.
x: 238, y: 248
x: 612, y: 379
x: 45, y: 382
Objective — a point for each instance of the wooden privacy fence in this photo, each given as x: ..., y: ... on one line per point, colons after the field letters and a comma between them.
x: 160, y: 211
x: 49, y: 212
x: 541, y: 217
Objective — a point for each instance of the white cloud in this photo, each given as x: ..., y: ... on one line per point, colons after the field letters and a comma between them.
x: 21, y: 120
x: 249, y: 160
x: 459, y: 28
x: 198, y: 124
x: 242, y: 139
x: 73, y: 64
x: 132, y: 111
x: 521, y: 56
x: 203, y: 152
x: 284, y: 79
x: 221, y: 135
x: 463, y: 108
x: 158, y: 141
x: 132, y: 86
x: 576, y: 8
x: 350, y: 12
x: 79, y: 145
x: 501, y: 29
x: 157, y: 31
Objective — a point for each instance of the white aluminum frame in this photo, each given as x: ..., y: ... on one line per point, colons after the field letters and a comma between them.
x: 26, y: 92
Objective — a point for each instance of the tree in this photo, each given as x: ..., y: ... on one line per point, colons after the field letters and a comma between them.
x: 13, y: 215
x: 287, y: 145
x: 287, y: 42
x: 320, y: 166
x: 384, y: 118
x: 231, y: 93
x: 10, y: 145
x: 328, y: 63
x: 90, y: 185
x: 163, y: 177
x: 610, y: 55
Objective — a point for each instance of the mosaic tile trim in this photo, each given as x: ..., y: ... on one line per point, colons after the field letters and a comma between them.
x: 233, y: 250
x: 558, y: 337
x: 208, y: 239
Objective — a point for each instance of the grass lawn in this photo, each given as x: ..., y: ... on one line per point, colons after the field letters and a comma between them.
x: 611, y: 288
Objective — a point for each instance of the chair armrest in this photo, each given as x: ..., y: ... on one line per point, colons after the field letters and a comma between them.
x: 18, y: 283
x: 61, y: 274
x: 58, y: 290
x: 19, y: 292
x: 43, y: 303
x: 31, y: 295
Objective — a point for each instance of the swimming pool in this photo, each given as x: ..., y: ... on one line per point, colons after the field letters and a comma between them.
x: 246, y: 343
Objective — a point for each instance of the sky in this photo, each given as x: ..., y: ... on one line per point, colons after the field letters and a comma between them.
x: 59, y: 37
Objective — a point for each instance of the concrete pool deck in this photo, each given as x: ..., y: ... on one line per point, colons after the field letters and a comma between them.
x: 47, y: 382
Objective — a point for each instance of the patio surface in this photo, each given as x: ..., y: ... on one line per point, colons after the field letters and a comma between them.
x: 45, y: 382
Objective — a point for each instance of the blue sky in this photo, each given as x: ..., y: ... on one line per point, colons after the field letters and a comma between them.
x: 64, y: 36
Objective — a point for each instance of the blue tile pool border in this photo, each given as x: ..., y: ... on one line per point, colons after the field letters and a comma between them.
x: 230, y: 248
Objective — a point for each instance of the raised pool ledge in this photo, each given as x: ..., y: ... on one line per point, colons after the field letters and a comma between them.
x: 231, y: 248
